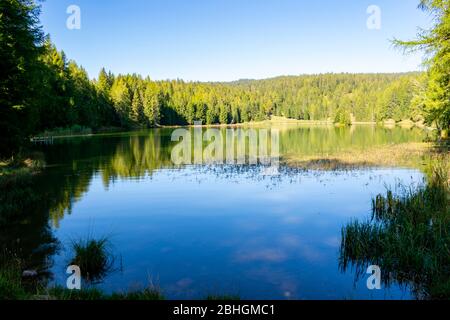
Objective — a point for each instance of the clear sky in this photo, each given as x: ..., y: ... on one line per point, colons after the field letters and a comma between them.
x: 223, y: 40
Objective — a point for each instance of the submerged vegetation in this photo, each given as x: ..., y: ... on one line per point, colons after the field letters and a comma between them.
x: 408, y: 236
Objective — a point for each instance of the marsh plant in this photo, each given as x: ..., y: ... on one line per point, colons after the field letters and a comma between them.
x: 94, y: 257
x: 408, y: 236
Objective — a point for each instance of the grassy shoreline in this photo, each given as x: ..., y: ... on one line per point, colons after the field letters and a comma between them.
x: 410, y: 155
x: 78, y: 131
x: 408, y: 237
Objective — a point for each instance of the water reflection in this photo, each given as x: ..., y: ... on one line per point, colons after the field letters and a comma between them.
x: 25, y: 234
x: 203, y: 228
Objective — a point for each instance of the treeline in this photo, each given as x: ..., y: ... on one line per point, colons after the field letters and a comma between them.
x: 131, y: 101
x: 365, y: 97
x: 339, y: 97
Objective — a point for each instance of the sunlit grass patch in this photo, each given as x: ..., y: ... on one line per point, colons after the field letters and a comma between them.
x: 411, y: 155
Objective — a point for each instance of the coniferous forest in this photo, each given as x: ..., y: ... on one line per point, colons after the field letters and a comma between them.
x: 42, y: 89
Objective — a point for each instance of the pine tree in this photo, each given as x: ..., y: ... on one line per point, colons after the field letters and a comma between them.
x: 137, y: 109
x: 153, y: 102
x: 104, y: 82
x: 21, y: 40
x: 436, y: 43
x: 121, y: 98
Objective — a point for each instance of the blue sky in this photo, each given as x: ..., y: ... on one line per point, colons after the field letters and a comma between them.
x: 223, y: 40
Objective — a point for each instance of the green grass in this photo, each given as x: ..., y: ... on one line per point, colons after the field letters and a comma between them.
x: 408, y: 236
x: 77, y: 130
x: 11, y: 287
x: 60, y: 293
x: 93, y: 257
x: 67, y: 131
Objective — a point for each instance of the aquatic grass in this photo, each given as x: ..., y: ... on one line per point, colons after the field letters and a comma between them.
x: 94, y: 257
x: 408, y: 236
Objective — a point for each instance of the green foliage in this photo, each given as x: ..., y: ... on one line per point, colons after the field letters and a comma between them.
x: 408, y: 237
x: 435, y: 42
x: 343, y: 117
x: 93, y: 258
x: 41, y: 90
x: 20, y: 43
x: 10, y: 280
x: 153, y: 104
x: 337, y: 96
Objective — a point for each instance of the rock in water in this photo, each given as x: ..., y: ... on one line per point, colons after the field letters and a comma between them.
x: 29, y: 274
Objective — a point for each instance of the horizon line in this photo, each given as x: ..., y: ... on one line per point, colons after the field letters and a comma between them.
x: 255, y: 79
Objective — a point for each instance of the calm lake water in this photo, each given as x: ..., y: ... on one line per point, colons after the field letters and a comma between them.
x: 202, y: 229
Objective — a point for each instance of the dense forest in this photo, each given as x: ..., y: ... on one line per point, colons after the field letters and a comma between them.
x: 41, y: 89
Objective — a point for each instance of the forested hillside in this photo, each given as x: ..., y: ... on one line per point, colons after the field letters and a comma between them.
x: 142, y: 102
x: 68, y: 97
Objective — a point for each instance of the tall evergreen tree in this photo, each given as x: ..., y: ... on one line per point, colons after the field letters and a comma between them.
x: 21, y: 40
x: 436, y: 44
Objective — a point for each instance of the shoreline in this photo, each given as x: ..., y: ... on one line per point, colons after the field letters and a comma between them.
x: 406, y: 124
